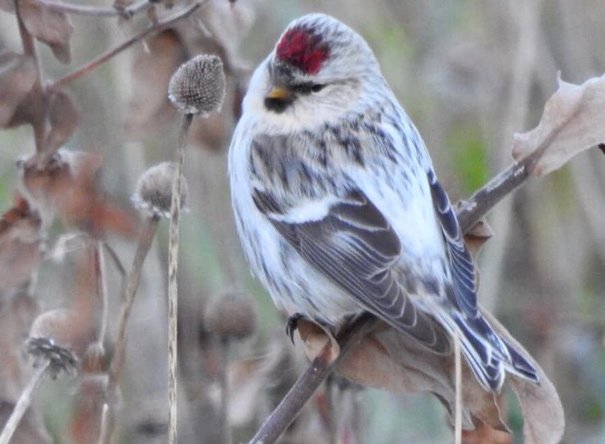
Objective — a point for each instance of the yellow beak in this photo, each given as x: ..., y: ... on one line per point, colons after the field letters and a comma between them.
x: 278, y: 93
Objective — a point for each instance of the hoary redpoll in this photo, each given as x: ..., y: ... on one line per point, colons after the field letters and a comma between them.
x: 338, y: 206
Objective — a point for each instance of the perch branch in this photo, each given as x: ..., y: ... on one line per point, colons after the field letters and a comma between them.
x: 469, y: 213
x: 309, y: 381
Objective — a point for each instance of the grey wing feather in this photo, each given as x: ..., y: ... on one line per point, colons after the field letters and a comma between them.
x: 464, y: 295
x: 356, y: 248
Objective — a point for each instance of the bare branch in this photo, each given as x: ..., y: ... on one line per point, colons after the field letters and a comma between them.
x: 289, y: 408
x: 96, y: 11
x: 93, y: 64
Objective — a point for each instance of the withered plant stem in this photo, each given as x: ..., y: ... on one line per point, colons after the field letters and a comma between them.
x: 458, y: 383
x: 469, y: 213
x: 173, y: 265
x: 101, y: 270
x: 98, y: 61
x: 224, y: 383
x: 23, y: 403
x: 132, y: 284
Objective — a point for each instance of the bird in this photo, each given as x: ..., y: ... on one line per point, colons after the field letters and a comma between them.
x: 338, y: 206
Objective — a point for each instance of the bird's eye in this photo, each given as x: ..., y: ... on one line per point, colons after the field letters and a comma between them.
x: 317, y: 87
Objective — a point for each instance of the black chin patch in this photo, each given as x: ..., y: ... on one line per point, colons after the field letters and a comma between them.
x: 277, y: 105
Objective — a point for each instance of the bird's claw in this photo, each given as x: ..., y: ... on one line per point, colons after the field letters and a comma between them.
x: 292, y: 325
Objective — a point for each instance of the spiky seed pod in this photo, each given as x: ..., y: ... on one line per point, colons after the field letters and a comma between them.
x: 198, y: 86
x: 231, y: 315
x: 154, y: 190
x: 53, y: 337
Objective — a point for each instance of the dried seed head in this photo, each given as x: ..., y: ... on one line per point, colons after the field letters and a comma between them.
x: 154, y: 190
x: 52, y: 338
x: 231, y: 314
x: 198, y: 86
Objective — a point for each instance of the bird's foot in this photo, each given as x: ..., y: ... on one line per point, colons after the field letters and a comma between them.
x: 292, y: 324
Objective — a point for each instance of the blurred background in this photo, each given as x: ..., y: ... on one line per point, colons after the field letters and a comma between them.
x: 470, y: 73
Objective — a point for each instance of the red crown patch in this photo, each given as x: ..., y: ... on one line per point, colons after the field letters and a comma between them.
x: 302, y: 49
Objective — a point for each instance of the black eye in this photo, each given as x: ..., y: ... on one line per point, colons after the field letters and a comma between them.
x: 317, y: 87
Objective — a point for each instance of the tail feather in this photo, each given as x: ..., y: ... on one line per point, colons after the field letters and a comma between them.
x: 520, y: 365
x: 488, y: 355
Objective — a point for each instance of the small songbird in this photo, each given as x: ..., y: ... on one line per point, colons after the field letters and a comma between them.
x: 339, y: 209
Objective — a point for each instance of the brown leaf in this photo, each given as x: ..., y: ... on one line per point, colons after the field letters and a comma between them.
x: 90, y: 396
x: 542, y: 409
x: 150, y: 111
x: 315, y: 338
x: 17, y: 76
x: 477, y: 236
x: 49, y: 26
x: 68, y: 186
x: 20, y: 243
x: 63, y: 119
x: 573, y: 121
x: 387, y: 359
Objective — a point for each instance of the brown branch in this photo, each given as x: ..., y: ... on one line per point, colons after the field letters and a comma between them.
x: 289, y: 407
x: 95, y: 63
x: 96, y: 11
x: 469, y: 213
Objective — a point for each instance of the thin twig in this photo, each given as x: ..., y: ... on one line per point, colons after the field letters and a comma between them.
x: 132, y: 284
x: 96, y: 11
x: 95, y: 63
x: 458, y: 381
x: 23, y: 403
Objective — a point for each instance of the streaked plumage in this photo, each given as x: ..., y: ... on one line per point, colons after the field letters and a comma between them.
x: 338, y: 206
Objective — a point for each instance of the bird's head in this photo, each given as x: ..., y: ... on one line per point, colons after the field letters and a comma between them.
x: 319, y: 70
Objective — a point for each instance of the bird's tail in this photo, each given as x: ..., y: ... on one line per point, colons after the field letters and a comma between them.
x: 490, y: 356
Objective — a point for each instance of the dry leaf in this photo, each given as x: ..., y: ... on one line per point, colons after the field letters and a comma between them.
x: 573, y: 121
x: 477, y: 236
x: 315, y: 338
x: 542, y: 409
x: 68, y: 186
x: 63, y: 119
x: 20, y: 244
x: 149, y: 110
x: 85, y: 423
x: 389, y: 360
x: 17, y: 76
x: 49, y: 26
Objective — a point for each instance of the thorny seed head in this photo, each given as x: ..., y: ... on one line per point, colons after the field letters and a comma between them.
x: 50, y: 340
x: 154, y: 190
x: 198, y: 86
x: 231, y: 315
